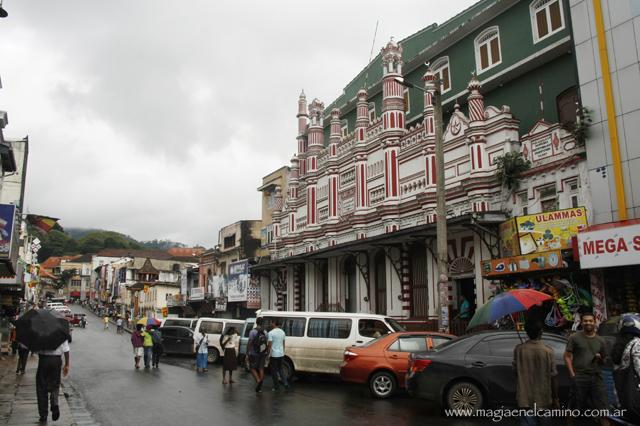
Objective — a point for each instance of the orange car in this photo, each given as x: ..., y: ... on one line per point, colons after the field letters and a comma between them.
x: 382, y: 363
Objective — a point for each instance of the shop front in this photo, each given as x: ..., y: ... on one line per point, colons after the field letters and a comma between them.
x: 611, y: 254
x: 539, y: 256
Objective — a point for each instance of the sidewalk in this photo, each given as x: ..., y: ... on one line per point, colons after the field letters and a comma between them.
x: 18, y: 403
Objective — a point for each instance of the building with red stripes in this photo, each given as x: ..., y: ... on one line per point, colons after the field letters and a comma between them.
x: 354, y: 228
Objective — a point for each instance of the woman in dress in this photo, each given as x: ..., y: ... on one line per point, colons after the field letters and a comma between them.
x: 201, y: 341
x: 229, y: 343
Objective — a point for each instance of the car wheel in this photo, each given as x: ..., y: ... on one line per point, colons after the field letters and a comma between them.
x: 288, y: 370
x: 213, y: 356
x: 466, y: 397
x: 382, y: 384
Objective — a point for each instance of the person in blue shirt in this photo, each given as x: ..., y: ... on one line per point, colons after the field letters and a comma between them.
x: 275, y: 348
x: 465, y: 308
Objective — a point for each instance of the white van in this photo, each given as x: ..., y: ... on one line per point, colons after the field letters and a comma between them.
x: 316, y: 341
x: 214, y: 327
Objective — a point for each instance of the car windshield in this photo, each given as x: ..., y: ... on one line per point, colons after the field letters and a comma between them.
x: 394, y: 324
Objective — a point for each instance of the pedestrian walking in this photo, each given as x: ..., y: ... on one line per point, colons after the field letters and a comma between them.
x: 23, y: 356
x: 119, y: 328
x: 48, y: 379
x: 230, y: 343
x: 201, y: 341
x: 147, y: 345
x: 626, y: 358
x: 585, y: 354
x: 257, y: 351
x: 156, y: 336
x: 106, y: 322
x: 536, y: 375
x: 275, y: 349
x: 137, y: 341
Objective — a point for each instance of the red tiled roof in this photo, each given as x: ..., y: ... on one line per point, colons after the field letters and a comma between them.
x: 185, y: 251
x: 151, y: 254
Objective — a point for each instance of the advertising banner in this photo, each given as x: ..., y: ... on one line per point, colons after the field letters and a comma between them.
x: 526, y: 263
x: 542, y: 232
x: 238, y: 281
x: 615, y: 246
x: 7, y: 217
x: 218, y: 286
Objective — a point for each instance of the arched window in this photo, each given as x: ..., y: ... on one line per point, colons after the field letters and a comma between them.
x: 441, y: 70
x: 488, y: 53
x: 547, y: 18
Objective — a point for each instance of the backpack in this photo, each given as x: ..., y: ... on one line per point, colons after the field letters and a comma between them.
x: 157, y: 337
x: 259, y: 341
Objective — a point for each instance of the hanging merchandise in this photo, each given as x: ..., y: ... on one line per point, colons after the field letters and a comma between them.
x: 632, y: 301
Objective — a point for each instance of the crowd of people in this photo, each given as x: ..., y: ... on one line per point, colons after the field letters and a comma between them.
x: 263, y: 347
x: 585, y: 355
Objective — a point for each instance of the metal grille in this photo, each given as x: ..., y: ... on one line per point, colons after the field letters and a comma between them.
x: 419, y: 281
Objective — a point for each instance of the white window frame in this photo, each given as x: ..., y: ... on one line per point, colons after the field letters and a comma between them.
x: 372, y: 112
x: 406, y: 96
x: 548, y: 197
x: 437, y: 67
x: 573, y: 186
x: 523, y: 200
x: 483, y: 38
x: 344, y: 128
x: 536, y: 6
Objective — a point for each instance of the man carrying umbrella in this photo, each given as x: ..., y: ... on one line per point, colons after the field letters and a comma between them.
x: 46, y: 334
x: 48, y: 379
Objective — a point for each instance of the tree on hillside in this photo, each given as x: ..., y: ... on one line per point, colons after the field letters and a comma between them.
x: 56, y: 243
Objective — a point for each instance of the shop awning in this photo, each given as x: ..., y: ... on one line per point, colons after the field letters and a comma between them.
x: 420, y: 232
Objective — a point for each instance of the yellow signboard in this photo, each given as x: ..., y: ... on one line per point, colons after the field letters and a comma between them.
x: 542, y: 232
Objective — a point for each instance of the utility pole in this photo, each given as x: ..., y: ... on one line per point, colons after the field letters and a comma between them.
x: 441, y: 208
x: 441, y: 216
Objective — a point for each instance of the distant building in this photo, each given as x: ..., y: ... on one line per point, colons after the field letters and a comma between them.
x: 238, y: 246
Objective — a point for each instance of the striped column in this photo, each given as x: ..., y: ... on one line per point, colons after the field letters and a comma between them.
x: 406, y: 293
x: 296, y: 289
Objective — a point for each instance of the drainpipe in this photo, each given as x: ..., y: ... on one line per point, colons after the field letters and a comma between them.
x: 611, y: 112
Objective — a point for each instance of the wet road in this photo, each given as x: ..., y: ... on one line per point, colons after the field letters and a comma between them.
x: 116, y: 394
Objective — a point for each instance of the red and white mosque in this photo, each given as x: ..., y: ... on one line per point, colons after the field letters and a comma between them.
x: 354, y: 230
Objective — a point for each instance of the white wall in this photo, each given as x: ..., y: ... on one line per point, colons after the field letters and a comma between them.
x: 622, y: 27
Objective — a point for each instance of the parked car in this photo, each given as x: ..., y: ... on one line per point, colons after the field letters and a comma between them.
x: 382, y: 363
x: 182, y: 322
x: 316, y: 340
x: 177, y: 340
x: 244, y: 341
x: 475, y: 370
x: 214, y: 327
x: 78, y: 320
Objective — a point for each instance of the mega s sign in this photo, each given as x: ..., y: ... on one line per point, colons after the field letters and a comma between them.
x: 609, y: 247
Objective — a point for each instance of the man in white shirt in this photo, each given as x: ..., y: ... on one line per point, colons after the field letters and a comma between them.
x: 48, y: 379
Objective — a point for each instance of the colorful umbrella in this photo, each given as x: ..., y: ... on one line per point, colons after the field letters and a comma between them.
x: 507, y: 303
x: 153, y: 321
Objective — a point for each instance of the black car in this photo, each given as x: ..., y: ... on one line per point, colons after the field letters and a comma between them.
x: 476, y: 370
x: 177, y: 340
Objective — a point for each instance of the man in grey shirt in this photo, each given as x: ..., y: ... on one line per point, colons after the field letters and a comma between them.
x: 48, y: 379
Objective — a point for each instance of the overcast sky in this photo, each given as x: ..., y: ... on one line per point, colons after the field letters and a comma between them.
x: 158, y: 118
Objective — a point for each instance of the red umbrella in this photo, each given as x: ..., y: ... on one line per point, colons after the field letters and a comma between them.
x: 507, y: 303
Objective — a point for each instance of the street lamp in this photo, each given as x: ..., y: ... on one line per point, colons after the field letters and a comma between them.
x: 441, y: 212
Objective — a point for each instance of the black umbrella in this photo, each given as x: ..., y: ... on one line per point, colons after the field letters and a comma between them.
x: 42, y: 330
